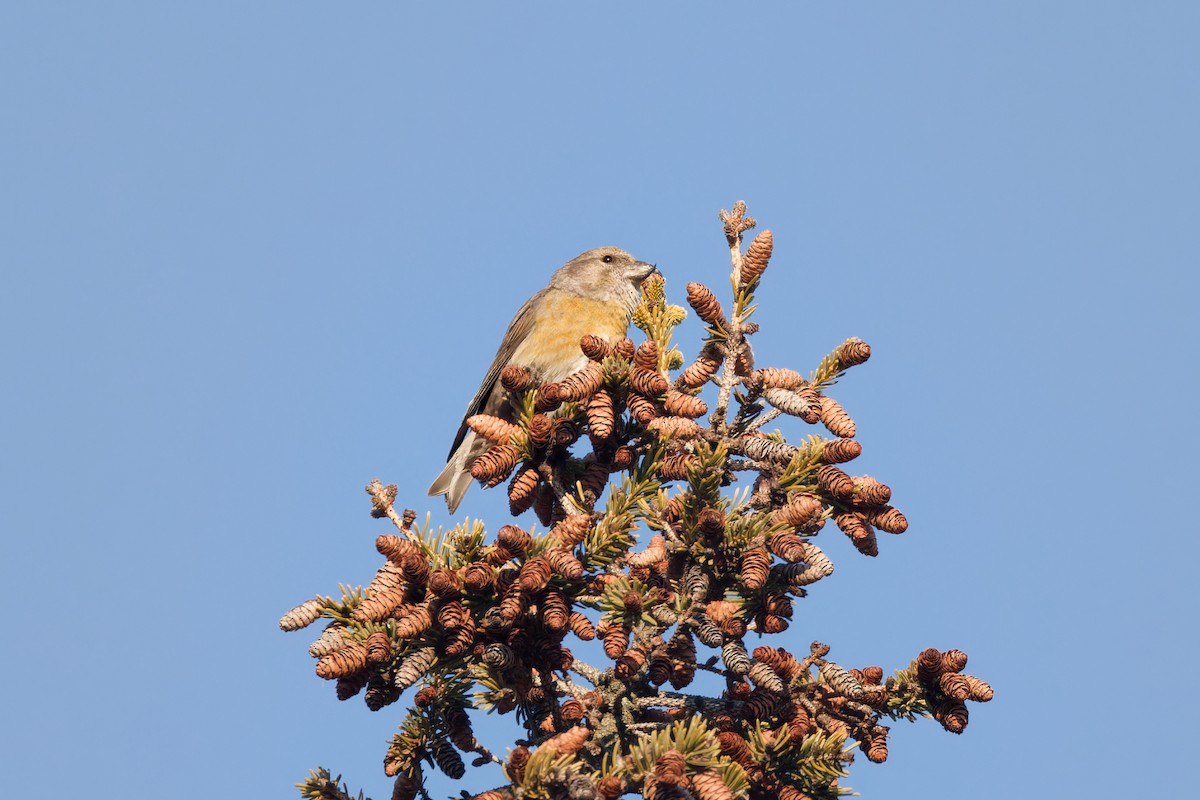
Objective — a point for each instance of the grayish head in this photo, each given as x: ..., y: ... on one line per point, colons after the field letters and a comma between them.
x: 606, y: 273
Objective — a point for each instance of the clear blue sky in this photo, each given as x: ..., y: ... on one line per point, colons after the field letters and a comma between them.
x: 255, y: 255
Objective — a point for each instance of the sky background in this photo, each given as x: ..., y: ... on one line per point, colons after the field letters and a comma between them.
x: 255, y: 255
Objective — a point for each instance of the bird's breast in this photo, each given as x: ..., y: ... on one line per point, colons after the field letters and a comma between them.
x: 561, y: 320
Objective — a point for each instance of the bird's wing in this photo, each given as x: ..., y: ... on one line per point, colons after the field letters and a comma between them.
x: 518, y: 329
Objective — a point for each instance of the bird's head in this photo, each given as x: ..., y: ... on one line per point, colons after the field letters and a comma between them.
x: 606, y: 273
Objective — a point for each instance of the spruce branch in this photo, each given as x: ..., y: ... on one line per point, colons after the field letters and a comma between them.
x: 469, y: 621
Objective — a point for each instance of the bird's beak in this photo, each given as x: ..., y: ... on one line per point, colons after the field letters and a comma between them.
x: 648, y: 269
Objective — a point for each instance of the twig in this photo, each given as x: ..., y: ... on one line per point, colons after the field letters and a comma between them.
x: 384, y: 500
x: 764, y: 419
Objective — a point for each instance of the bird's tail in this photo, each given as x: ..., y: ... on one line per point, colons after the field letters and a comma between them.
x: 455, y: 479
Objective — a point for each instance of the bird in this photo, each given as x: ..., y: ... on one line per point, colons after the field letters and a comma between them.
x: 593, y: 293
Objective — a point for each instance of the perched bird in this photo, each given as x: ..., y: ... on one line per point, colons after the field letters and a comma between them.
x: 595, y: 293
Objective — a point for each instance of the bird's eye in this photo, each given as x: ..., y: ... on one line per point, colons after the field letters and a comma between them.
x: 607, y: 259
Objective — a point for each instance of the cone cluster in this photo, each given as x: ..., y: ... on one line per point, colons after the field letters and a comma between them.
x: 674, y: 561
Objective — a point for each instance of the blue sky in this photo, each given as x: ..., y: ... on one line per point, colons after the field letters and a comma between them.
x: 255, y: 255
